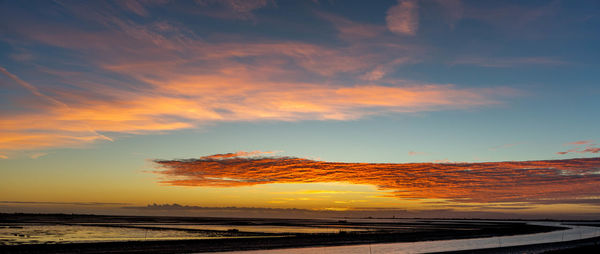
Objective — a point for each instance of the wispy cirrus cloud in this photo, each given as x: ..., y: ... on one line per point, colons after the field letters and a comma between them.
x: 580, y: 142
x: 31, y: 88
x: 160, y: 75
x: 234, y: 9
x: 139, y: 7
x: 37, y: 155
x: 583, y: 146
x: 589, y: 149
x: 507, y: 62
x: 414, y: 153
x: 351, y: 30
x: 197, y: 100
x: 531, y: 182
x: 403, y: 18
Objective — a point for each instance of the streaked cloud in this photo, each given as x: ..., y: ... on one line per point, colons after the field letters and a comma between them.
x: 413, y: 153
x: 532, y: 182
x: 139, y: 7
x: 31, y: 88
x: 189, y: 101
x: 154, y: 76
x: 351, y: 30
x: 403, y: 18
x: 507, y: 62
x: 37, y: 155
x: 583, y: 146
x: 588, y: 149
x: 234, y: 9
x: 581, y: 142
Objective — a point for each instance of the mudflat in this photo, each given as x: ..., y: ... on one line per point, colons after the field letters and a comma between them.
x: 232, y: 238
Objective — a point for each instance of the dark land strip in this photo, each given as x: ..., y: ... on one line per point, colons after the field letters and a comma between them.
x: 284, y: 241
x: 588, y: 245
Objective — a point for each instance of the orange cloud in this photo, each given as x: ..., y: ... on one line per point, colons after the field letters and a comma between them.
x: 581, y: 142
x: 589, y: 148
x: 161, y: 76
x: 190, y: 101
x: 561, y: 181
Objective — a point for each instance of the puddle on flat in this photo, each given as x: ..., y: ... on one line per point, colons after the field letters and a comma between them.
x: 35, y: 234
x: 257, y: 228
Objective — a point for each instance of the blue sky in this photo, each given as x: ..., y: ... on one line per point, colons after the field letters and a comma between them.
x: 127, y: 82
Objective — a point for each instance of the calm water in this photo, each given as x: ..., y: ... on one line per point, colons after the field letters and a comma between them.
x: 36, y: 233
x: 259, y: 228
x: 573, y: 233
x: 33, y: 234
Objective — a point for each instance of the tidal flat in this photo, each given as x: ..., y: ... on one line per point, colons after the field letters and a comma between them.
x: 62, y: 233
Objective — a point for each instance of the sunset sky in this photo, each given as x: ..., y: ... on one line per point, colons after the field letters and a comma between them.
x: 313, y: 108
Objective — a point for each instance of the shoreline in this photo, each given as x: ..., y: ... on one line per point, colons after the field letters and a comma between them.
x: 388, y: 231
x: 588, y: 245
x: 296, y: 241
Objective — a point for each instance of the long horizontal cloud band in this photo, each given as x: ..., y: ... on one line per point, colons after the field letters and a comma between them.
x: 564, y: 181
x: 162, y: 75
x: 199, y: 100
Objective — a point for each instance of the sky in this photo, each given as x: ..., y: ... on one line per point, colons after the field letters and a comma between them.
x: 409, y: 108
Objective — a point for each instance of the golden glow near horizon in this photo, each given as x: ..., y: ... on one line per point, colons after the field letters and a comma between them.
x: 109, y: 106
x: 490, y: 186
x: 325, y: 194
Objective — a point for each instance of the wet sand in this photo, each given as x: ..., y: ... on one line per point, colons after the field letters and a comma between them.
x: 237, y: 244
x: 589, y: 245
x: 387, y: 231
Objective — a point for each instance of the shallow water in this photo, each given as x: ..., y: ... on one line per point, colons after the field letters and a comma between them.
x: 258, y: 228
x: 34, y: 234
x: 573, y: 233
x: 39, y: 233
